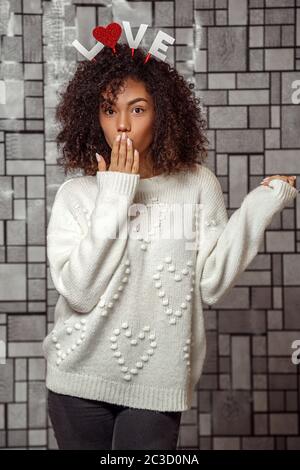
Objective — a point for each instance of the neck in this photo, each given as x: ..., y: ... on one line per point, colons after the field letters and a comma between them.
x: 146, y: 167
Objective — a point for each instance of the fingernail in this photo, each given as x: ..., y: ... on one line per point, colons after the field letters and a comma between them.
x: 118, y: 137
x: 123, y: 136
x: 98, y: 157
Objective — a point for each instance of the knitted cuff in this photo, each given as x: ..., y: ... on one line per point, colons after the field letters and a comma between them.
x: 118, y: 182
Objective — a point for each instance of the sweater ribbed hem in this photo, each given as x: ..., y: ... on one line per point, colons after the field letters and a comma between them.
x: 284, y: 191
x: 118, y: 182
x: 131, y: 395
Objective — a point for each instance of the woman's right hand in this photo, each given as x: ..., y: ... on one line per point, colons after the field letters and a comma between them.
x: 123, y: 157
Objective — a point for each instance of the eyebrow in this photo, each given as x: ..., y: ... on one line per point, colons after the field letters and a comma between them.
x: 129, y: 102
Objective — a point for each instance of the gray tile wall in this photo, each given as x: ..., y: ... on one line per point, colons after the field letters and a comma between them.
x: 243, y: 56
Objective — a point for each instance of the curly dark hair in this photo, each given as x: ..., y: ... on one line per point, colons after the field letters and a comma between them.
x: 179, y: 138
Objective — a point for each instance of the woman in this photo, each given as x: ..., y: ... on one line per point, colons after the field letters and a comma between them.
x: 128, y: 343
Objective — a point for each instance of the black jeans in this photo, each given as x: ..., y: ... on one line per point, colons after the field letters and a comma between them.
x: 79, y: 423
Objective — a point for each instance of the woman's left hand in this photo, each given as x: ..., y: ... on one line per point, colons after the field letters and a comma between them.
x: 289, y: 179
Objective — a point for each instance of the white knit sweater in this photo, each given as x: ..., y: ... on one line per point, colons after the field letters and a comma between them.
x: 128, y: 323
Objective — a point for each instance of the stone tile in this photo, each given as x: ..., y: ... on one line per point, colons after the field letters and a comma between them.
x: 291, y: 400
x: 256, y: 60
x: 205, y: 17
x: 16, y: 232
x: 226, y: 443
x: 33, y: 72
x: 275, y: 116
x: 231, y: 413
x: 256, y: 36
x: 256, y: 16
x: 13, y: 282
x: 37, y: 437
x: 17, y: 415
x: 183, y: 12
x: 17, y: 438
x: 272, y: 36
x: 227, y: 49
x: 288, y: 34
x: 21, y: 349
x: 283, y: 381
x: 228, y: 117
x: 261, y: 297
x: 32, y: 6
x: 33, y: 88
x: 284, y: 423
x: 236, y: 321
x: 188, y: 436
x: 34, y: 108
x: 255, y: 97
x: 37, y: 405
x: 259, y: 365
x: 282, y: 162
x: 211, y: 97
x: 12, y: 48
x: 239, y: 141
x: 280, y: 241
x: 253, y: 80
x: 259, y: 116
x: 221, y: 80
x: 29, y: 167
x: 293, y: 443
x: 210, y: 365
x: 220, y: 3
x: 26, y: 328
x: 14, y: 107
x: 221, y: 17
x: 237, y: 12
x: 184, y: 36
x: 258, y: 443
x: 260, y: 424
x: 279, y: 342
x: 32, y: 38
x: 7, y: 381
x: 274, y: 319
x: 280, y: 15
x: 276, y: 400
x: 238, y: 180
x: 241, y: 367
x: 279, y: 59
x: 279, y: 3
x: 256, y: 167
x: 260, y: 400
x: 291, y: 269
x: 290, y: 125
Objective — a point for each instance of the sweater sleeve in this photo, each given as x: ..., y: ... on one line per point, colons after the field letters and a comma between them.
x: 81, y: 266
x: 241, y: 236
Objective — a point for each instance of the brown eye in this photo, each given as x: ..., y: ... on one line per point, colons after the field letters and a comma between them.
x: 139, y: 108
x: 107, y: 109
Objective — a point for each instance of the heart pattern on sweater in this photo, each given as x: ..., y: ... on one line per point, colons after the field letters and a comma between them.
x: 79, y: 328
x: 145, y: 356
x: 178, y: 277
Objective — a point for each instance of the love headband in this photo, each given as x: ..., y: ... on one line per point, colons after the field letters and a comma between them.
x: 110, y: 34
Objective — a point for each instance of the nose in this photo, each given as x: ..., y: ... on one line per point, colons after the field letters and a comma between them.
x: 123, y: 129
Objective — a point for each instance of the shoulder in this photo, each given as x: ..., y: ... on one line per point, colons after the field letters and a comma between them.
x: 207, y: 180
x: 75, y: 184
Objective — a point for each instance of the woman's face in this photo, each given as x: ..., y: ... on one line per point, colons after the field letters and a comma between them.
x: 133, y: 113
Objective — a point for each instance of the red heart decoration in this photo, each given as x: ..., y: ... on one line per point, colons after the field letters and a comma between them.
x: 108, y: 35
